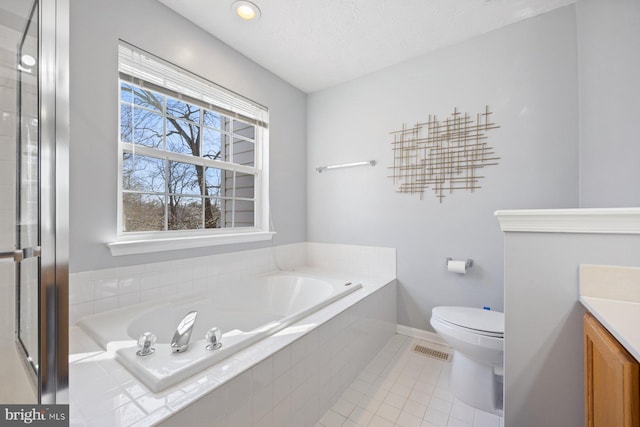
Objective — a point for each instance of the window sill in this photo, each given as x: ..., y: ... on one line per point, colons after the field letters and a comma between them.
x: 142, y: 246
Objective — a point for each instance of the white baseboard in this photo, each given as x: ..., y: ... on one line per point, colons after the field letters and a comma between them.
x: 421, y: 334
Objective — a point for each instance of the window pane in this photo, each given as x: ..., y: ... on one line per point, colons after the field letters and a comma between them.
x: 183, y: 137
x: 180, y: 160
x: 148, y: 99
x: 142, y: 173
x: 182, y: 110
x: 148, y: 129
x: 142, y: 212
x: 227, y: 184
x: 214, y: 181
x: 185, y: 178
x: 185, y: 213
x: 214, y: 120
x: 245, y: 185
x: 212, y: 213
x: 126, y: 122
x: 126, y: 93
x: 244, y: 213
x: 244, y: 129
x: 243, y: 152
x: 211, y: 144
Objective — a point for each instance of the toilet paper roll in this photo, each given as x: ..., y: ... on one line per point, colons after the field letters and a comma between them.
x: 459, y: 267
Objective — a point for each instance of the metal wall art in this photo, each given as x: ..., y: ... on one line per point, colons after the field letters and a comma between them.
x: 442, y: 155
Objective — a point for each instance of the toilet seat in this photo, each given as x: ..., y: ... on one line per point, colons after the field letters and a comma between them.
x: 475, y: 320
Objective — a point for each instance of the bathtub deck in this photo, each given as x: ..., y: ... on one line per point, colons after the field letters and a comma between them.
x: 402, y: 388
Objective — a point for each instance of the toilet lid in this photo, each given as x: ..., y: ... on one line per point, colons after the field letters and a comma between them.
x: 472, y: 318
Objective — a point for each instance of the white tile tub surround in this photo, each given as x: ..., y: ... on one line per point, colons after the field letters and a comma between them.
x: 102, y: 290
x: 97, y: 291
x: 291, y: 378
x: 371, y: 260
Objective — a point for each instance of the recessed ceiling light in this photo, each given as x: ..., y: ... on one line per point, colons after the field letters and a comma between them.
x: 246, y: 10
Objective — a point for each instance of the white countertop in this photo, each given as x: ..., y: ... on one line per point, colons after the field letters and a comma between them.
x: 612, y: 295
x: 621, y: 318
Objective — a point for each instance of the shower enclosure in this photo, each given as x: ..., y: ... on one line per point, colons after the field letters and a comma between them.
x: 33, y: 201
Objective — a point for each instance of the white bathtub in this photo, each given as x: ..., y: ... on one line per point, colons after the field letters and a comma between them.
x: 246, y: 311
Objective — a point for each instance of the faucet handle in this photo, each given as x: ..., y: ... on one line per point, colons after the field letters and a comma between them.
x: 145, y: 344
x: 213, y: 337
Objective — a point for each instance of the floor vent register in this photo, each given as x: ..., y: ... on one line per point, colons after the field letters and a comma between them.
x: 436, y: 354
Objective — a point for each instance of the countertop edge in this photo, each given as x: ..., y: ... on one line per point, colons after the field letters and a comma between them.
x: 596, y: 306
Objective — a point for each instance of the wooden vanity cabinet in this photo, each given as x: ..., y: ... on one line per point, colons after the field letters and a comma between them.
x: 611, y: 379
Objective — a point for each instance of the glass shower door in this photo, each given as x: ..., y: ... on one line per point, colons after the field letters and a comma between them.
x: 27, y: 202
x: 20, y: 350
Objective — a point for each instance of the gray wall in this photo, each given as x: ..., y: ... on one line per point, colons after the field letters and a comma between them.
x: 526, y: 73
x: 609, y: 59
x: 543, y: 318
x: 543, y: 345
x: 95, y: 29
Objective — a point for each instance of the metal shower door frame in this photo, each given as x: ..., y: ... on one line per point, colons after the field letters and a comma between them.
x: 54, y: 218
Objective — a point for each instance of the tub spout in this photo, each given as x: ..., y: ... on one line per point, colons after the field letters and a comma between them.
x: 180, y: 340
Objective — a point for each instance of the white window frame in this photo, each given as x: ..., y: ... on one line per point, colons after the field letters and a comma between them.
x: 146, y: 68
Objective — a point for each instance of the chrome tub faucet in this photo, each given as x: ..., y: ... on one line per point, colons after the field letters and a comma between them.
x: 180, y: 340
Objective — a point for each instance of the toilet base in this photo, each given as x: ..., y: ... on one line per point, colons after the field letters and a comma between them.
x: 476, y: 384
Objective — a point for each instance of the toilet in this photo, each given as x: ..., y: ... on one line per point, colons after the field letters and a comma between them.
x: 477, y: 337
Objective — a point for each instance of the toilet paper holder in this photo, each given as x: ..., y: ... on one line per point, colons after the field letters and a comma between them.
x: 468, y: 263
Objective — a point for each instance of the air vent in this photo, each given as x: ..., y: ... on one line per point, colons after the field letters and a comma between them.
x: 436, y: 354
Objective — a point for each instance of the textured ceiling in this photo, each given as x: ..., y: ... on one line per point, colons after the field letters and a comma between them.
x: 315, y: 44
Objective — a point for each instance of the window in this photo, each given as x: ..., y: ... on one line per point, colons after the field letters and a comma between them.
x: 192, y: 154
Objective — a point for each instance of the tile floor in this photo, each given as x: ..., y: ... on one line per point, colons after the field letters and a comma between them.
x: 403, y: 388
